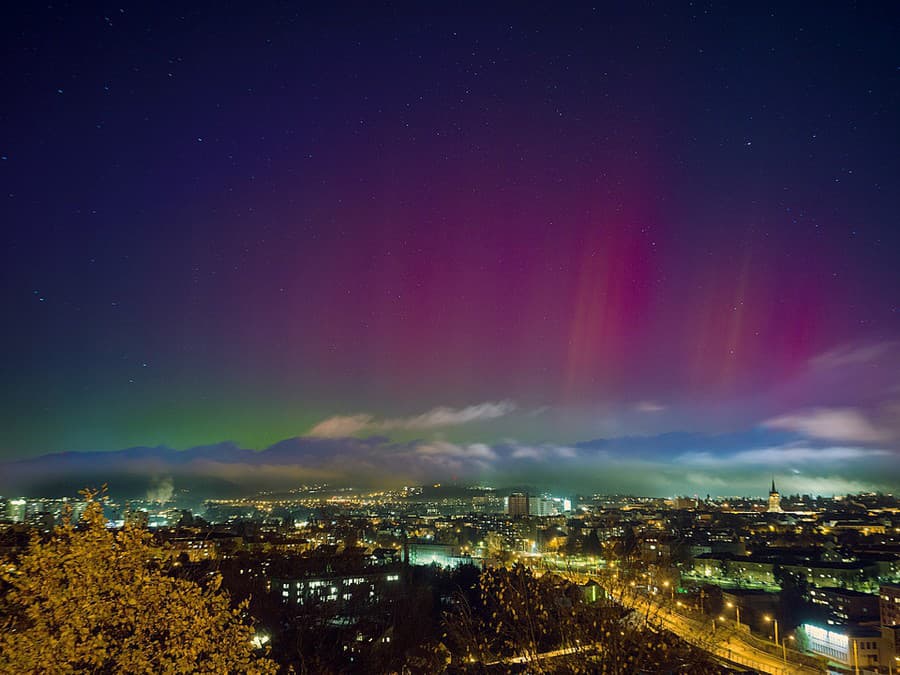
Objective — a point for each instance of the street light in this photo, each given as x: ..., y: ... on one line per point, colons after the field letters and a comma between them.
x: 769, y: 619
x: 783, y: 647
x: 666, y: 584
x: 737, y: 613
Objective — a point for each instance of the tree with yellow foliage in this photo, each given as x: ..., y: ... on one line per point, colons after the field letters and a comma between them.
x: 92, y: 600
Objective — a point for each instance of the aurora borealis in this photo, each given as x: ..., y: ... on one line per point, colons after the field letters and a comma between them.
x: 648, y: 245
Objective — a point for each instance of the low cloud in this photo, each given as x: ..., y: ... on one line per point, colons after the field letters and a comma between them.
x: 546, y: 452
x: 666, y: 464
x: 477, y: 451
x: 780, y: 456
x: 341, y: 426
x: 831, y: 424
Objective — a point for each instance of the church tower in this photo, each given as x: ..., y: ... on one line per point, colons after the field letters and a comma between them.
x: 774, y: 500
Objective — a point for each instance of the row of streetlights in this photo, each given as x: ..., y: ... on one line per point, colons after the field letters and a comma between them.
x: 737, y: 616
x: 768, y: 619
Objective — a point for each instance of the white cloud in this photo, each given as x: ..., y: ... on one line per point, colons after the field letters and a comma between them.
x: 796, y: 453
x: 479, y: 451
x: 526, y: 452
x: 833, y: 424
x: 542, y: 452
x: 649, y: 407
x: 341, y: 426
x: 436, y: 418
x: 445, y: 417
x: 826, y: 485
x: 850, y: 354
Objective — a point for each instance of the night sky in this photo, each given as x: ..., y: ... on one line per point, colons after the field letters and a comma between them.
x: 645, y: 246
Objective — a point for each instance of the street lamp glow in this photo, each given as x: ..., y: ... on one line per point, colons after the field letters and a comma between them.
x: 774, y: 621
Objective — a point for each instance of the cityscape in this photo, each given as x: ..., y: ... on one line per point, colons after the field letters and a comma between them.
x: 332, y: 567
x: 467, y: 339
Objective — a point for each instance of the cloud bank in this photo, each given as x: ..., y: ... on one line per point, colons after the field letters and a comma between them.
x: 436, y: 418
x: 667, y: 464
x: 833, y: 424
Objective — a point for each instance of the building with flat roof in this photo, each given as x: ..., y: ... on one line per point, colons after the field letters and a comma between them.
x: 849, y: 645
x: 340, y: 589
x: 517, y: 504
x: 442, y: 555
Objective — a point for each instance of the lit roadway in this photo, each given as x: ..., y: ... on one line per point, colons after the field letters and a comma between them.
x: 728, y: 646
x: 731, y: 647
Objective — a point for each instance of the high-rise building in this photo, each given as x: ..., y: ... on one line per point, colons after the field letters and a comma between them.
x: 517, y: 504
x: 774, y: 500
x: 544, y: 506
x: 540, y: 506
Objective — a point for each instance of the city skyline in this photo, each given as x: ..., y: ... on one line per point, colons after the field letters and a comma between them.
x: 591, y: 247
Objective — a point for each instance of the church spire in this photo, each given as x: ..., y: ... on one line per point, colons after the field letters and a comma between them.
x: 774, y: 500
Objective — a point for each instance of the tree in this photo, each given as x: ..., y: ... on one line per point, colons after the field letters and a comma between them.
x: 592, y: 545
x: 520, y: 616
x: 794, y: 596
x: 515, y: 614
x: 91, y: 600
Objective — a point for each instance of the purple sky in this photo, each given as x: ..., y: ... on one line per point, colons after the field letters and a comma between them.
x: 528, y: 229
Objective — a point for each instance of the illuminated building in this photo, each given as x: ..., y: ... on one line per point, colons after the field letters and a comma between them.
x: 542, y: 506
x: 849, y: 645
x: 517, y: 504
x: 442, y: 555
x: 774, y: 500
x: 845, y: 605
x: 336, y: 588
x: 889, y: 602
x: 15, y: 510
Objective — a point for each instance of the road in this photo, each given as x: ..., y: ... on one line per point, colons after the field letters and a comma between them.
x: 723, y: 644
x: 730, y: 647
x: 536, y: 657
